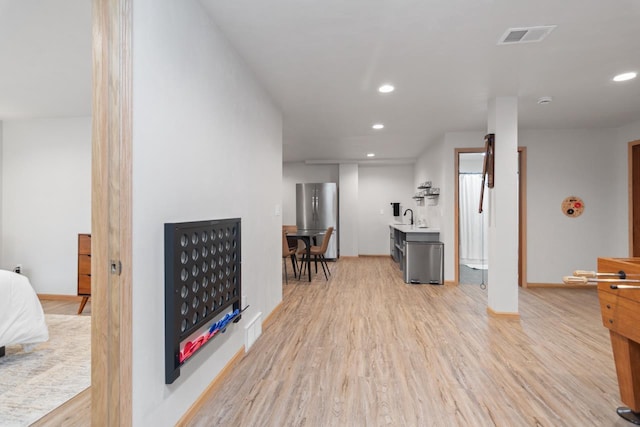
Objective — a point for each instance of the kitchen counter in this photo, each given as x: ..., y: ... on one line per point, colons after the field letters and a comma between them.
x: 414, y: 233
x: 407, y: 228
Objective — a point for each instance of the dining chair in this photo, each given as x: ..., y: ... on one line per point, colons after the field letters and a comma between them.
x: 318, y: 253
x: 296, y: 243
x: 288, y: 252
x: 293, y: 241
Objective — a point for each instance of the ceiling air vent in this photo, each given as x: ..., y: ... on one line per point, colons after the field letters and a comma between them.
x: 525, y: 34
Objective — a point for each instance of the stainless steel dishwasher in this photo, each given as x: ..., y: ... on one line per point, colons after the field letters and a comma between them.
x: 424, y: 262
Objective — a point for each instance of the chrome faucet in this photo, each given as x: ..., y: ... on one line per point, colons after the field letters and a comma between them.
x: 405, y: 214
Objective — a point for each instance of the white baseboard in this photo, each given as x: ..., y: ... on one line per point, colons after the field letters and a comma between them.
x: 252, y: 331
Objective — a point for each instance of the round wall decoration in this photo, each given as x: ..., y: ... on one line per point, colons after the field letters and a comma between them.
x: 572, y: 206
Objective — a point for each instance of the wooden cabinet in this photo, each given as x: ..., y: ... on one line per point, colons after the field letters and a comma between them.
x: 84, y: 269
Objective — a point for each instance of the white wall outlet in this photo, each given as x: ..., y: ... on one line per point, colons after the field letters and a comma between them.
x: 381, y: 211
x: 278, y: 210
x: 18, y: 269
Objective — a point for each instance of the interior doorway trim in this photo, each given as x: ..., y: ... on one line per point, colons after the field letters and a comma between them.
x: 634, y: 169
x: 522, y: 217
x: 522, y: 213
x: 111, y: 349
x: 456, y: 209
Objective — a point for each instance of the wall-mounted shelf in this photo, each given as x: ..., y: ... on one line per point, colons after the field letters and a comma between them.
x: 427, y: 190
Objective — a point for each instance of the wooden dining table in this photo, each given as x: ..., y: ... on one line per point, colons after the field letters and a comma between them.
x: 306, y: 236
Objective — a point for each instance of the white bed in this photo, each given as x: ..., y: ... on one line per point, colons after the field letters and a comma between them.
x: 21, y: 316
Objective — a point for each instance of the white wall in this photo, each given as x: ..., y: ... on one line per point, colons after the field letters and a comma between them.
x: 46, y: 199
x: 436, y: 164
x: 348, y: 216
x: 299, y: 172
x: 562, y: 163
x: 207, y: 143
x: 620, y: 191
x: 1, y: 196
x: 503, y: 201
x: 378, y: 187
x: 471, y: 163
x: 591, y: 164
x: 431, y: 166
x: 628, y: 133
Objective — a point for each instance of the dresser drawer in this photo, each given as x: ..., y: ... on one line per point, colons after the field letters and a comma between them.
x: 84, y: 285
x: 84, y: 264
x: 84, y: 244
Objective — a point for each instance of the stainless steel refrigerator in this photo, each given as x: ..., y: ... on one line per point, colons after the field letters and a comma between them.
x: 317, y: 210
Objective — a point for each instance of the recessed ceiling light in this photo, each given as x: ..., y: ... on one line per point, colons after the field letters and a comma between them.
x: 378, y: 126
x: 386, y: 88
x: 371, y: 154
x: 625, y: 76
x: 545, y: 100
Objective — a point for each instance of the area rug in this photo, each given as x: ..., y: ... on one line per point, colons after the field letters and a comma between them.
x: 34, y: 382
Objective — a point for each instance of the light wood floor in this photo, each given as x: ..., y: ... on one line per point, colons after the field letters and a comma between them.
x: 64, y: 307
x: 365, y: 349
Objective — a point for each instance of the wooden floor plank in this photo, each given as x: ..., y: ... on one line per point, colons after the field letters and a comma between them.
x: 364, y: 348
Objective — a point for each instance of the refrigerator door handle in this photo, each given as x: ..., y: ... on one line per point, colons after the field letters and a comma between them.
x: 315, y: 204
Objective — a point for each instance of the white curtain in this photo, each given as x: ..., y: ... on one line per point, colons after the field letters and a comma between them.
x: 473, y: 225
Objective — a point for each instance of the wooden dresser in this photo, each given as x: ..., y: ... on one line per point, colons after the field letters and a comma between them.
x: 84, y: 269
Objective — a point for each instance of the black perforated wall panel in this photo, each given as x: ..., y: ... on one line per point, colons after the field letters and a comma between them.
x: 202, y: 280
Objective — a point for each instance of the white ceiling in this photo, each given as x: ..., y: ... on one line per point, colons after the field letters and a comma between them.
x: 322, y: 61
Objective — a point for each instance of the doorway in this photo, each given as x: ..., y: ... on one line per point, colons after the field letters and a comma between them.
x: 470, y: 227
x: 473, y: 226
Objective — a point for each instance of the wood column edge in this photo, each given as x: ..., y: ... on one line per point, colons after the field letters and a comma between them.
x: 502, y: 314
x: 211, y: 388
x: 450, y: 283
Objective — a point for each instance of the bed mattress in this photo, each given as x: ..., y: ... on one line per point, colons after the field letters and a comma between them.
x: 21, y: 317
